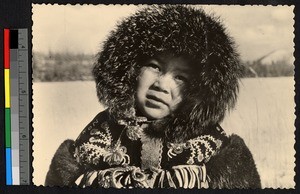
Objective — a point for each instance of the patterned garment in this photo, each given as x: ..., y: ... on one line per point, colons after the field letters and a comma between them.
x: 121, y: 155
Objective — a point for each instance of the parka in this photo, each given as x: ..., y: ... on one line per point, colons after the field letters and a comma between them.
x: 122, y: 149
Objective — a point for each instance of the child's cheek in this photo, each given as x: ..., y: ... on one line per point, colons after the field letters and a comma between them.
x: 177, y: 96
x: 146, y: 78
x: 175, y: 103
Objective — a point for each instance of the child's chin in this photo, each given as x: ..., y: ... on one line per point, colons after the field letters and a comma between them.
x: 155, y: 113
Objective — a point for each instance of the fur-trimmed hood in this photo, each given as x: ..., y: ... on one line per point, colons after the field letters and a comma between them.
x: 180, y: 30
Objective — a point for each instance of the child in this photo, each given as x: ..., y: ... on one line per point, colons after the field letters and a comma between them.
x: 167, y: 74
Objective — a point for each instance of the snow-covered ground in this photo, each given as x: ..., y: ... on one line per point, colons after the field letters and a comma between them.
x: 264, y: 118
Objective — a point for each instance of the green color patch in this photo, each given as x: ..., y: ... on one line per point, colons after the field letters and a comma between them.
x: 7, y: 128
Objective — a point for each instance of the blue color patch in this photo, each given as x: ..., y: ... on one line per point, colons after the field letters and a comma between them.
x: 8, y: 167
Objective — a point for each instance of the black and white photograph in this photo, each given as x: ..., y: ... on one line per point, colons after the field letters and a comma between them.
x: 163, y: 96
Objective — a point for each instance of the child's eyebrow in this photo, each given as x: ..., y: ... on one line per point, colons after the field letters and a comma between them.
x: 184, y: 69
x: 158, y: 59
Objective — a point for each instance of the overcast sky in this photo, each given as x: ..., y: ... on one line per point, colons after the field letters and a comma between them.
x: 257, y: 30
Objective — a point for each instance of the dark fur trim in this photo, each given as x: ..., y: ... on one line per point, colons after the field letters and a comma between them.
x: 233, y: 167
x: 183, y: 31
x: 64, y: 169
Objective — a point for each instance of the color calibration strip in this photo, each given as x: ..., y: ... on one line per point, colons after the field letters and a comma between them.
x: 7, y: 107
x: 16, y: 107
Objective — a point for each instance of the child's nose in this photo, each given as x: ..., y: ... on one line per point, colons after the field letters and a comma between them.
x: 163, y: 83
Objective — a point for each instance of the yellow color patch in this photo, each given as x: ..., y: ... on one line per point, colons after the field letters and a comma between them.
x: 7, y: 88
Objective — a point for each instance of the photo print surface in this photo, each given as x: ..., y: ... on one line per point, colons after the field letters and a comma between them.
x: 160, y: 96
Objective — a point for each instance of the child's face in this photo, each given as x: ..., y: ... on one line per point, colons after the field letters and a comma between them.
x: 161, y: 83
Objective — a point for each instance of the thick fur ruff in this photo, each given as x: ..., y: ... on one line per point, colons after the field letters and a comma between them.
x: 182, y: 31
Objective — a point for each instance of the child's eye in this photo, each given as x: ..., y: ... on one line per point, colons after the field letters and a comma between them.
x: 153, y: 66
x: 181, y: 78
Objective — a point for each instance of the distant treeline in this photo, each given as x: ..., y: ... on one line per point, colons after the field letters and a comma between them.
x: 72, y: 67
x: 62, y: 67
x: 275, y: 69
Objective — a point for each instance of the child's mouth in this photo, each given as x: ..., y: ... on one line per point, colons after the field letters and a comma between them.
x: 154, y: 101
